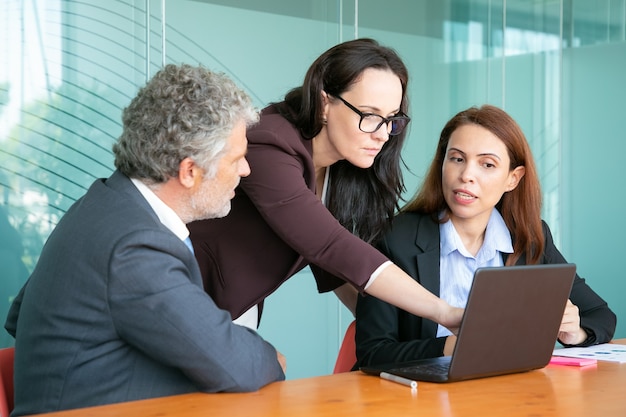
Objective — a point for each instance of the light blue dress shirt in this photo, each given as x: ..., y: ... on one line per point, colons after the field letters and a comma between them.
x: 457, y: 264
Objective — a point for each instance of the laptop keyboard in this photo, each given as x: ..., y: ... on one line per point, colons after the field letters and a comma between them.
x: 426, y: 369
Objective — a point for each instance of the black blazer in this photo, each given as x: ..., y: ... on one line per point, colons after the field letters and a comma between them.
x: 385, y: 333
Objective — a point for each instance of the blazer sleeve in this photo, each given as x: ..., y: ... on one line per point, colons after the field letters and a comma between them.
x: 157, y: 308
x: 595, y: 315
x: 385, y: 333
x: 277, y: 185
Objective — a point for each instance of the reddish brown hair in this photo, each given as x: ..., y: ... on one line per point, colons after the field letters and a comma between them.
x: 520, y: 208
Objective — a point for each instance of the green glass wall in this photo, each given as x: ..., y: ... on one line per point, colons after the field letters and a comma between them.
x: 67, y: 68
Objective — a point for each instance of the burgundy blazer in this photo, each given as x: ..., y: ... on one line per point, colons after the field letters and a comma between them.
x: 277, y: 226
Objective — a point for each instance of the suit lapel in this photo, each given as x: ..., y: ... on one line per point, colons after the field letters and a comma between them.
x: 428, y: 253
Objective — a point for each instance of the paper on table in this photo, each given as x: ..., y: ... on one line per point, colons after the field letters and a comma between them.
x: 604, y: 352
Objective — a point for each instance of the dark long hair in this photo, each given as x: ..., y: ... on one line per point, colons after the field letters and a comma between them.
x: 520, y: 208
x: 363, y: 200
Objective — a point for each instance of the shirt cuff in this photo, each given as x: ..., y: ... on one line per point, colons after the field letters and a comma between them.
x: 376, y: 273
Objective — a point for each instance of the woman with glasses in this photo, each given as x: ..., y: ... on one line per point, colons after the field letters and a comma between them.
x: 325, y: 182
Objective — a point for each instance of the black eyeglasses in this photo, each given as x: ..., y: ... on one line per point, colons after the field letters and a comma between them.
x: 371, y: 122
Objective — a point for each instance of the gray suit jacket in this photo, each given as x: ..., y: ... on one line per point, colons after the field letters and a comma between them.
x: 115, y: 311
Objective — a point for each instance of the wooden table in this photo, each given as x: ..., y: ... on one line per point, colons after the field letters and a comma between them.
x: 557, y: 390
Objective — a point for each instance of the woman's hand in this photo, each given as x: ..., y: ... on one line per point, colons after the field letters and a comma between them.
x: 451, y: 317
x: 448, y: 348
x: 570, y: 332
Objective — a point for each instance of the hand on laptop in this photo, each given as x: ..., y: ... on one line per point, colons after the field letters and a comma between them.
x: 448, y: 348
x: 451, y: 318
x: 570, y: 332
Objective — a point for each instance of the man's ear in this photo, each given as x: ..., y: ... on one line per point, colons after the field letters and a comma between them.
x: 515, y: 177
x: 188, y: 172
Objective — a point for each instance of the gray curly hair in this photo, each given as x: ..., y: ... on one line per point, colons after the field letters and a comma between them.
x: 183, y: 111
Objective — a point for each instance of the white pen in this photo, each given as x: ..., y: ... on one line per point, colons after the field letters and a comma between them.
x: 398, y: 379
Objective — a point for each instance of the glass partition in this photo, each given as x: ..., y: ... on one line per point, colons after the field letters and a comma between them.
x: 68, y: 68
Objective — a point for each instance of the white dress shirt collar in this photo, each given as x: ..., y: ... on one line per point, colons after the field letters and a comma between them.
x: 497, y: 238
x: 166, y: 215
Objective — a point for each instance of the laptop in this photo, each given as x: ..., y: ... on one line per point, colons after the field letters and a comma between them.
x: 510, y: 324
